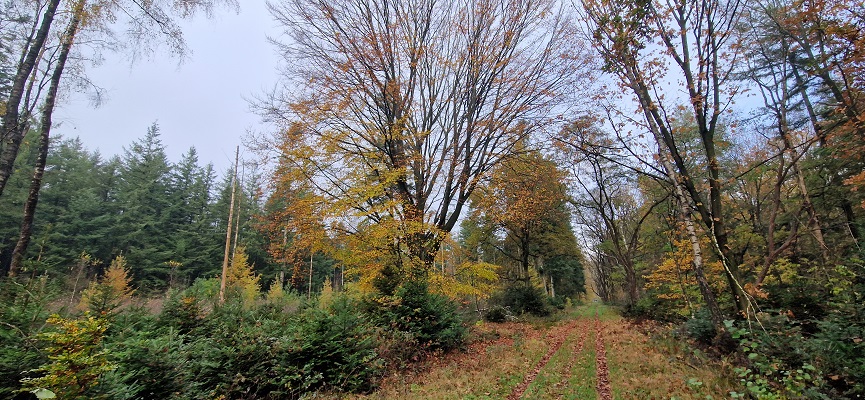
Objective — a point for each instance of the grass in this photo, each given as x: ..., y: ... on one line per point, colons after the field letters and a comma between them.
x: 486, y: 370
x: 644, y: 364
x: 647, y: 367
x: 570, y: 374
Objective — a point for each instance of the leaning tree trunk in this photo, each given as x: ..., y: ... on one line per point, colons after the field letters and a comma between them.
x: 13, y: 124
x: 681, y: 198
x: 44, y: 137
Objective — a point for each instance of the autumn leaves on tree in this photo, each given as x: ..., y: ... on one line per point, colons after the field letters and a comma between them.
x: 398, y: 110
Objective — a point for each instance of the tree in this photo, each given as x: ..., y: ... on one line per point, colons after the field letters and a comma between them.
x: 695, y: 42
x: 45, y: 132
x: 146, y: 21
x: 609, y: 194
x: 241, y: 282
x: 195, y: 242
x: 76, y: 358
x: 144, y: 203
x: 105, y: 296
x: 522, y: 194
x: 403, y: 107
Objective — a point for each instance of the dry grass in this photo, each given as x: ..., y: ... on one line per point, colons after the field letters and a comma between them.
x: 642, y: 367
x: 642, y: 363
x: 489, y: 368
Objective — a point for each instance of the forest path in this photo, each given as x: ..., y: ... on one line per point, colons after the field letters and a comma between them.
x: 591, y: 353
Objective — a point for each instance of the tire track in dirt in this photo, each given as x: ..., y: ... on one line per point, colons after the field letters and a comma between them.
x: 557, y: 338
x: 572, y: 360
x: 604, y: 389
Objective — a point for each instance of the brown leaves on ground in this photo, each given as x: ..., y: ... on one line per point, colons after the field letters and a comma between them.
x: 604, y: 390
x: 556, y: 338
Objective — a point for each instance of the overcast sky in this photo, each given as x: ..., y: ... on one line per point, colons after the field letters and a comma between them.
x: 197, y: 103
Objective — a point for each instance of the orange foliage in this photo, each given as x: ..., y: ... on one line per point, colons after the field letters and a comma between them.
x: 673, y: 278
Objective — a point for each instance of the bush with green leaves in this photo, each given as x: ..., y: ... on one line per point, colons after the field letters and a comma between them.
x: 838, y: 349
x: 652, y: 307
x: 498, y: 313
x: 76, y: 359
x: 185, y: 310
x: 767, y: 375
x: 241, y: 353
x: 700, y: 328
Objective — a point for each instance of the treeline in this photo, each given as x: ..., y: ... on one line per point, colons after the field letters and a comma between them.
x: 703, y: 204
x: 167, y: 219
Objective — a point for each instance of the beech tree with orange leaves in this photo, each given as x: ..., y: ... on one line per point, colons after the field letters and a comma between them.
x: 399, y: 109
x: 522, y: 194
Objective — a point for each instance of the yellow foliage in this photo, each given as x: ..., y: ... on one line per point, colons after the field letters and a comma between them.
x: 275, y: 293
x: 241, y: 280
x: 109, y: 292
x: 76, y: 359
x: 469, y: 279
x: 326, y: 297
x: 674, y: 279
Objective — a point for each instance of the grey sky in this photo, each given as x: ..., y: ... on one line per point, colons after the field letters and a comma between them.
x: 198, y: 103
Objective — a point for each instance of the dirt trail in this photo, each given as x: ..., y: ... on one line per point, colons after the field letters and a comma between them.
x: 576, y: 352
x: 556, y: 338
x: 604, y: 390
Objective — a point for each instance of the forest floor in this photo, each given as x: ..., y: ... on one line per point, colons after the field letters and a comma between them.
x: 591, y: 353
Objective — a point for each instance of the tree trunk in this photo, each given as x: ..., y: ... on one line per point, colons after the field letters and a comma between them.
x: 12, y: 126
x: 228, y: 230
x: 687, y: 218
x: 44, y: 138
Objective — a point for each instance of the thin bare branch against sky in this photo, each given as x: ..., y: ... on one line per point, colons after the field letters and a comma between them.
x: 200, y: 102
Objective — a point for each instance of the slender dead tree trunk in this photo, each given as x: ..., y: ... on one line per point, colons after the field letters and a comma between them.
x: 228, y: 230
x: 44, y: 138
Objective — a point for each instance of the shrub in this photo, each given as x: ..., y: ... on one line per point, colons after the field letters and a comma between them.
x: 498, y: 313
x: 105, y: 296
x: 76, y: 358
x: 148, y: 366
x: 652, y: 307
x: 430, y: 318
x: 559, y: 303
x: 700, y: 327
x: 23, y: 311
x: 263, y: 353
x: 838, y: 348
x: 523, y: 299
x: 766, y: 375
x: 182, y: 311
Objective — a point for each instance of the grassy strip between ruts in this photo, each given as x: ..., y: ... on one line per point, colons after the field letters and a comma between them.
x: 570, y: 373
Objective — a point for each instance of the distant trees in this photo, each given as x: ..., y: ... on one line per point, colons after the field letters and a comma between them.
x: 519, y: 218
x: 35, y: 83
x: 165, y: 219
